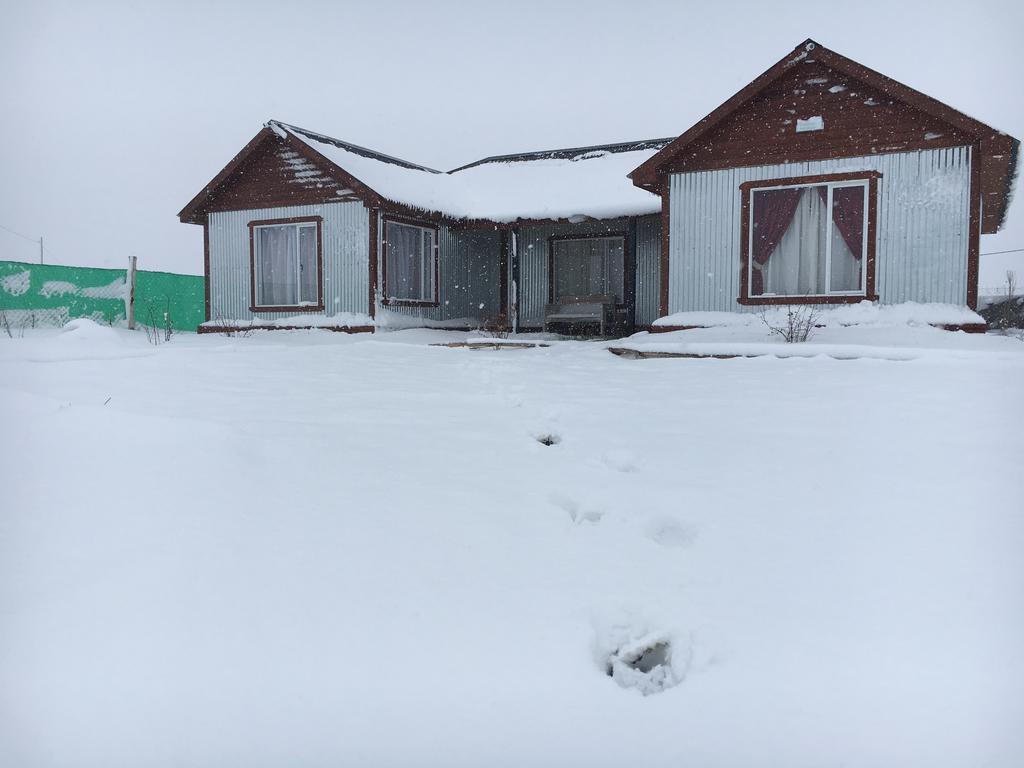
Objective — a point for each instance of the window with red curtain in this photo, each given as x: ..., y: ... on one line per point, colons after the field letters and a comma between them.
x: 808, y: 240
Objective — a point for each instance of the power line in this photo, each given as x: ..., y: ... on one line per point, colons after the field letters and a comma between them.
x: 25, y: 237
x: 996, y: 253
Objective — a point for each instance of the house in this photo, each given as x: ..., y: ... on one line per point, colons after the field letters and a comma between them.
x: 821, y: 182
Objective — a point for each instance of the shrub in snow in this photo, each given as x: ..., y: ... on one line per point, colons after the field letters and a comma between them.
x: 548, y: 439
x: 1007, y: 312
x: 795, y: 326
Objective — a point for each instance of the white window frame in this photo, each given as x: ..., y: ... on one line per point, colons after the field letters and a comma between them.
x: 865, y: 184
x: 257, y: 262
x: 432, y: 263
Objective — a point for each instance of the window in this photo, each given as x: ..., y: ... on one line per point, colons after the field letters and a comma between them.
x: 808, y: 240
x: 410, y: 263
x: 286, y: 264
x: 588, y: 267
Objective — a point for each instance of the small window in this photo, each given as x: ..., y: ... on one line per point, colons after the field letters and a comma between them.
x: 286, y: 265
x: 808, y: 240
x: 410, y: 264
x: 588, y: 267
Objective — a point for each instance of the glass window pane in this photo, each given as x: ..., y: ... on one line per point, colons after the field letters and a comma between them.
x: 788, y: 241
x: 308, y: 277
x: 589, y: 267
x: 409, y: 262
x: 847, y: 238
x: 276, y: 266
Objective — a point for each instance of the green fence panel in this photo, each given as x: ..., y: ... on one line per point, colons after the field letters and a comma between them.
x: 182, y: 295
x: 52, y: 294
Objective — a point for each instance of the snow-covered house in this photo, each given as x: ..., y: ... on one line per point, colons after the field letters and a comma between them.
x: 820, y: 182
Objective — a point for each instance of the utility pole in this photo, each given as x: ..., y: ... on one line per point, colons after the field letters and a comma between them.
x: 40, y: 249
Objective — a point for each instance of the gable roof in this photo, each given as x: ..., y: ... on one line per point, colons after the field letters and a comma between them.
x: 566, y: 183
x: 998, y: 151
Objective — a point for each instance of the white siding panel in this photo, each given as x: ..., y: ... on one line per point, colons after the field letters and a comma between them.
x: 923, y: 227
x: 346, y: 242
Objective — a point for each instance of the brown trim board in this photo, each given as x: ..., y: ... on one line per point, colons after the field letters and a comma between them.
x: 747, y: 187
x: 318, y: 220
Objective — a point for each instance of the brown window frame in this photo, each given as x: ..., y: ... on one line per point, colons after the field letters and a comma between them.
x: 869, y: 294
x: 319, y: 306
x: 389, y: 301
x: 626, y: 285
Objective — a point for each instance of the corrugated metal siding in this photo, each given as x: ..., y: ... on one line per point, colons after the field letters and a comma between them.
x: 923, y: 226
x: 648, y: 269
x: 533, y: 262
x: 346, y: 239
x: 483, y: 265
x: 453, y: 298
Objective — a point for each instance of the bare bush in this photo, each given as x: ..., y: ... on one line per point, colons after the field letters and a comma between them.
x: 798, y: 324
x: 6, y: 324
x: 1007, y: 312
x: 495, y: 326
x: 225, y: 326
x: 159, y: 327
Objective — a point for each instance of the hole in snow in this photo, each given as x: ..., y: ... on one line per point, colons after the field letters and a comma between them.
x: 548, y: 439
x: 646, y: 666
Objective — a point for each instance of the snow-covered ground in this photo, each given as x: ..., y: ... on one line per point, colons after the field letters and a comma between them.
x: 316, y: 549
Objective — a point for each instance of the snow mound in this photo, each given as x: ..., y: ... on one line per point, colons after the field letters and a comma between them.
x: 862, y: 313
x: 84, y: 329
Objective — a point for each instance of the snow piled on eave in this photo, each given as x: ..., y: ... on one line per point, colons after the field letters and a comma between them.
x: 596, y: 187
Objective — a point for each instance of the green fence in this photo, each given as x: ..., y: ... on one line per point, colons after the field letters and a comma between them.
x: 49, y: 294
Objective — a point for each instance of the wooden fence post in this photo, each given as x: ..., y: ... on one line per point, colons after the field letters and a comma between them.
x: 131, y: 293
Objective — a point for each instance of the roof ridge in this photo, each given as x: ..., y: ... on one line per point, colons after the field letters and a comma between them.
x: 350, y: 147
x: 566, y: 152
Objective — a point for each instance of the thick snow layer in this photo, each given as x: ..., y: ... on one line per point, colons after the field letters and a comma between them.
x: 594, y: 184
x: 863, y: 313
x: 339, y: 320
x: 325, y: 549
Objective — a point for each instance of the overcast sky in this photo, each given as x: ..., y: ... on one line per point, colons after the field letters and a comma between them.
x: 116, y: 113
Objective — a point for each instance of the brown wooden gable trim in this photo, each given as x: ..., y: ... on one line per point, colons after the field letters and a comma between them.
x: 319, y: 306
x: 385, y: 299
x: 974, y: 230
x: 665, y: 251
x: 206, y: 269
x: 263, y: 175
x: 871, y: 177
x: 190, y: 213
x: 998, y: 150
x: 374, y: 248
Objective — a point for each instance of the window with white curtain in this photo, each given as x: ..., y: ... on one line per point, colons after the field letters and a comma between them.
x: 808, y: 240
x: 410, y: 255
x: 285, y: 260
x: 590, y: 266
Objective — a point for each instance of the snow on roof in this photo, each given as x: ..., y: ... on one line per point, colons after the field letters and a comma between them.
x: 556, y: 184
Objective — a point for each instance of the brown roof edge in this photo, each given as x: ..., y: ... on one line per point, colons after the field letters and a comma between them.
x: 998, y: 150
x: 192, y: 212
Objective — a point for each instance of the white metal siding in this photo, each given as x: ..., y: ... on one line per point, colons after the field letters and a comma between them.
x: 346, y: 241
x: 923, y: 227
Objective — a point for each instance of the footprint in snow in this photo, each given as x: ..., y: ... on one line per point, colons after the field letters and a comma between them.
x: 671, y: 533
x: 577, y: 513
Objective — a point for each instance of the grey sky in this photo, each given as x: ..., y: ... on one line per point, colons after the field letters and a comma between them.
x: 118, y: 113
